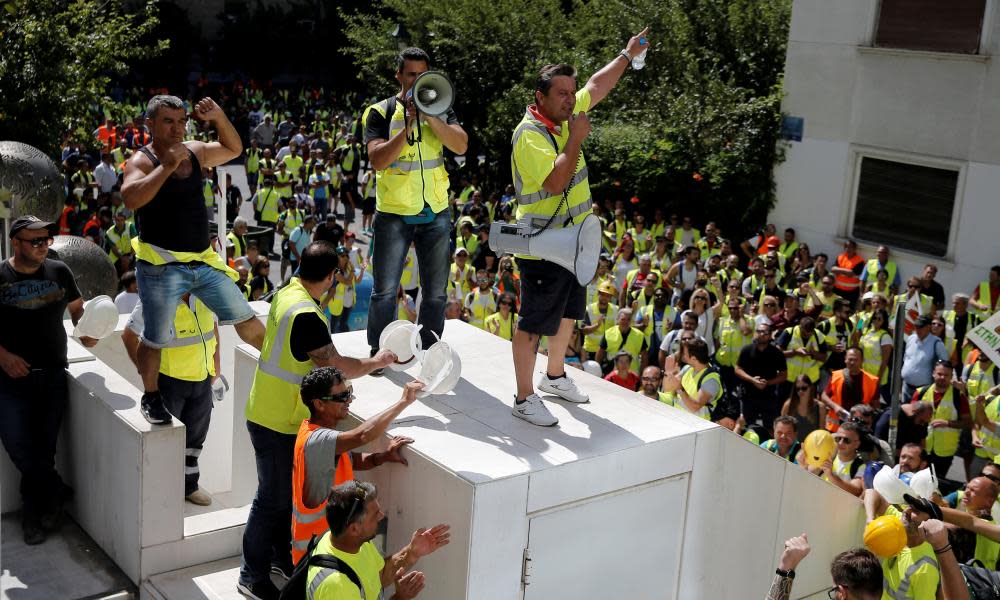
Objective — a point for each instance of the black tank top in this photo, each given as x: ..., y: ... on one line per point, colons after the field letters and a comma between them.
x: 176, y: 218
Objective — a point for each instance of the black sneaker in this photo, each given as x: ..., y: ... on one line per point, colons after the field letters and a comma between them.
x: 153, y: 409
x: 31, y: 528
x: 51, y: 519
x: 264, y: 590
x: 282, y: 571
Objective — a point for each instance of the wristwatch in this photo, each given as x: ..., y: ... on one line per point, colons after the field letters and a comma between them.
x: 786, y: 574
x: 628, y: 59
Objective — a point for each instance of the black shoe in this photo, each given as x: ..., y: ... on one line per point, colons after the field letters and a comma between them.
x: 31, y: 527
x: 51, y: 520
x: 153, y: 409
x: 282, y: 571
x: 265, y: 590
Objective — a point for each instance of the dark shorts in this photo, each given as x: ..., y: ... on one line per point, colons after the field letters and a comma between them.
x: 368, y: 206
x: 549, y: 294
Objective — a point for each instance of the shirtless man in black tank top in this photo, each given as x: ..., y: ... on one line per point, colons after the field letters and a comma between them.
x: 163, y: 185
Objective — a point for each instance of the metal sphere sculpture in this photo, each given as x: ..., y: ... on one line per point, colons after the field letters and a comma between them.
x: 30, y: 183
x: 92, y: 269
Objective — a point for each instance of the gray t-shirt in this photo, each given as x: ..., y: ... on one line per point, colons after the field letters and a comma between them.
x: 321, y: 465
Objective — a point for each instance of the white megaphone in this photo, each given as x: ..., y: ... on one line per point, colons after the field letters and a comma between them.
x: 433, y: 93
x: 574, y: 248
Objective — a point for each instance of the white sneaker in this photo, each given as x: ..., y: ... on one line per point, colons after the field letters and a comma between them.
x: 562, y: 387
x: 533, y: 411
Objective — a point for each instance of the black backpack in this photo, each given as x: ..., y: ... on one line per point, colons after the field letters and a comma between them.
x: 295, y: 588
x: 983, y: 583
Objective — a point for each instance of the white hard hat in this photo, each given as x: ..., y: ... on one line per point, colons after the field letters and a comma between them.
x: 436, y: 368
x: 403, y: 338
x: 888, y: 484
x: 924, y: 482
x: 592, y: 367
x: 100, y: 317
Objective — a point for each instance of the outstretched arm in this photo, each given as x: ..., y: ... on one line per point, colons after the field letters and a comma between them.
x: 601, y: 82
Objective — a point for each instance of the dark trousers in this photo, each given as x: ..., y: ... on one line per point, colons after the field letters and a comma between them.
x: 31, y: 412
x: 339, y: 323
x: 763, y: 408
x: 267, y: 238
x: 267, y: 538
x: 191, y: 403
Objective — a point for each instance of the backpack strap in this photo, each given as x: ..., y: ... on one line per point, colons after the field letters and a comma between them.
x: 330, y: 565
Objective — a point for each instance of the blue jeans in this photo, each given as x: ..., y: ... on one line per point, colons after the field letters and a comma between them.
x: 321, y: 208
x: 267, y: 538
x: 161, y: 288
x: 31, y: 412
x: 392, y: 240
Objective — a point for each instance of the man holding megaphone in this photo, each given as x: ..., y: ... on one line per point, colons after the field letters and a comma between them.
x: 406, y: 135
x: 552, y: 192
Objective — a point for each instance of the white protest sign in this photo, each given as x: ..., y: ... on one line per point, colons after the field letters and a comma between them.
x: 986, y: 336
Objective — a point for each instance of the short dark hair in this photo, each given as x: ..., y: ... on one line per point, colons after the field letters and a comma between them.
x: 318, y: 383
x: 840, y: 303
x: 859, y: 570
x: 411, y: 53
x: 821, y: 255
x: 995, y: 269
x: 347, y: 502
x: 319, y: 259
x: 697, y: 349
x: 127, y: 279
x: 544, y: 82
x: 787, y: 420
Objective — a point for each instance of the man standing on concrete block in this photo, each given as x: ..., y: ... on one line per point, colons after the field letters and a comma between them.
x: 323, y: 455
x: 35, y: 292
x: 163, y: 184
x: 297, y: 339
x: 550, y: 180
x: 189, y: 366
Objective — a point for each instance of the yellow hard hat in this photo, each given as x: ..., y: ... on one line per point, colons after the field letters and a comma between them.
x: 885, y: 536
x: 607, y: 287
x: 819, y: 447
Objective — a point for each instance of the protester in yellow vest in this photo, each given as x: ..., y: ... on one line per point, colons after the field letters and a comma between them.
x: 189, y: 366
x: 461, y: 276
x: 297, y: 339
x: 697, y: 385
x: 482, y: 301
x: 411, y: 199
x: 624, y: 337
x: 163, y: 184
x: 601, y: 316
x: 119, y: 241
x: 951, y: 415
x: 804, y: 349
x: 551, y: 183
x: 504, y: 321
x: 986, y: 297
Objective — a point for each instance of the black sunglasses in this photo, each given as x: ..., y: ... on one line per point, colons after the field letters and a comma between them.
x: 37, y: 242
x: 341, y: 397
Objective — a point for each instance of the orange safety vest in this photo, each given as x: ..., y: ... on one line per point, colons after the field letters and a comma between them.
x: 847, y: 283
x: 869, y: 395
x: 307, y: 522
x: 64, y: 220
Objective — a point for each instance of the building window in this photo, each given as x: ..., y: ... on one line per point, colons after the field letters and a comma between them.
x: 905, y: 205
x: 953, y: 26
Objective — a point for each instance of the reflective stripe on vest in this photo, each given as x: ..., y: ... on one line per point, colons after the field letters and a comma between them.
x: 483, y: 305
x: 990, y: 439
x: 308, y: 522
x: 190, y: 356
x: 872, y: 267
x: 798, y: 365
x: 871, y: 349
x: 731, y: 341
x: 417, y: 176
x: 592, y: 342
x: 320, y: 578
x: 942, y: 441
x: 156, y: 255
x: 847, y: 283
x: 869, y: 393
x: 901, y: 593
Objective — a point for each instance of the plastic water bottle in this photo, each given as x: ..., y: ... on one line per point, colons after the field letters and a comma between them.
x: 639, y: 61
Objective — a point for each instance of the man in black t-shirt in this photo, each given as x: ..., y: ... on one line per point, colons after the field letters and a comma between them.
x: 761, y: 368
x: 330, y: 231
x: 35, y: 291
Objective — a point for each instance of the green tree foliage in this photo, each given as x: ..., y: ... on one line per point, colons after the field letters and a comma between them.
x: 695, y: 132
x: 56, y: 61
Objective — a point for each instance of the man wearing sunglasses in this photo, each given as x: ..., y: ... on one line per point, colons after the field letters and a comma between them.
x: 325, y: 457
x: 35, y: 291
x: 353, y: 515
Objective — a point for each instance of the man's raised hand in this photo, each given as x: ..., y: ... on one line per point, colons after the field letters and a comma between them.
x: 174, y: 156
x: 207, y: 110
x: 634, y: 47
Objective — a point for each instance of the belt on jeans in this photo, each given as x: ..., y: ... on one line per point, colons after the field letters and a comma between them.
x: 193, y: 263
